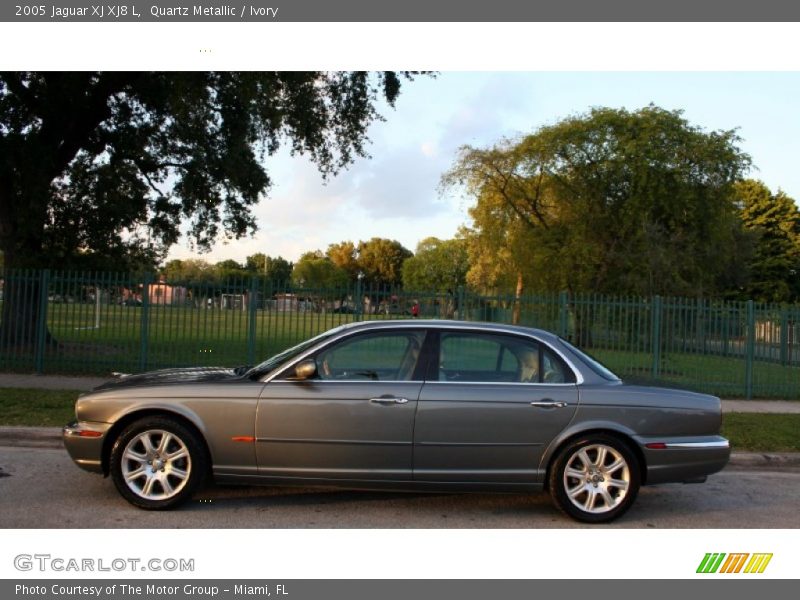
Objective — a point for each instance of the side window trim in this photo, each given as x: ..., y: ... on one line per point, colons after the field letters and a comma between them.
x: 286, y: 374
x: 433, y: 366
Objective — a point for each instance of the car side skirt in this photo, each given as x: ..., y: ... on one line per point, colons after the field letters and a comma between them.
x: 382, y: 485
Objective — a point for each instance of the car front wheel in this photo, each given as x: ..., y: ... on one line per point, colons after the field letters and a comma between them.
x: 157, y: 463
x: 595, y: 479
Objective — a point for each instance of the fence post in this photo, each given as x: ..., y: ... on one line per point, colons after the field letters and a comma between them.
x: 655, y: 336
x: 750, y: 350
x: 144, y: 331
x: 41, y: 322
x: 562, y: 314
x: 252, y: 303
x: 462, y: 307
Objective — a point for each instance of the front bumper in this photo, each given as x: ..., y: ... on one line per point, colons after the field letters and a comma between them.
x: 84, y: 441
x: 685, y: 459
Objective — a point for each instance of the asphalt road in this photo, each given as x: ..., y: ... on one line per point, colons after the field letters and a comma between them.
x: 42, y: 488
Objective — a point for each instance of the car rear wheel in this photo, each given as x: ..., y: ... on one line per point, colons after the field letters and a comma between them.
x: 157, y: 463
x: 595, y: 479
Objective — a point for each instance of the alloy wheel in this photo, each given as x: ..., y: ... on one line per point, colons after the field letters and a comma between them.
x: 156, y: 464
x: 596, y: 478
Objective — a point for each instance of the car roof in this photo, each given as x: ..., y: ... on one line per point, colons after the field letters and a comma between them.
x: 583, y: 373
x: 452, y: 324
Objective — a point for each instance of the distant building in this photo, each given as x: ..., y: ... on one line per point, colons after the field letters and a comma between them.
x: 157, y: 293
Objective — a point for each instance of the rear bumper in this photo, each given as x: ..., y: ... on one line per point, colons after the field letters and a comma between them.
x: 84, y: 442
x: 686, y: 459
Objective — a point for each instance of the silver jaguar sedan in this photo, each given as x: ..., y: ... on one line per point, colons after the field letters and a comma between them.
x: 412, y: 405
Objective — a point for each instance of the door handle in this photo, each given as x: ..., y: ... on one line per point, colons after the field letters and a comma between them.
x: 385, y: 400
x: 547, y: 403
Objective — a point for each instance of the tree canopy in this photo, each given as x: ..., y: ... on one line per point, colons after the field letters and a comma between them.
x: 438, y: 265
x: 774, y: 219
x: 345, y: 256
x: 105, y: 165
x: 276, y: 269
x: 380, y: 261
x: 105, y: 170
x: 315, y: 270
x: 612, y: 201
x: 190, y: 270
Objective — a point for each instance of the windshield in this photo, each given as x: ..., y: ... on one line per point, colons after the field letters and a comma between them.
x: 591, y: 362
x: 277, y: 360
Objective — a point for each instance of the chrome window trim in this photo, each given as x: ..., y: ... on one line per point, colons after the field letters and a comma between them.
x: 373, y: 381
x: 438, y: 326
x: 500, y: 383
x: 535, y: 383
x: 344, y: 335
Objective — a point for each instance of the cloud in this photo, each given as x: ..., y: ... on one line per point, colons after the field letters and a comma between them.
x: 395, y: 192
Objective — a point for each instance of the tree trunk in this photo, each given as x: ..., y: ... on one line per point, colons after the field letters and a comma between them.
x: 515, y: 315
x: 22, y: 320
x: 21, y: 317
x: 582, y: 315
x: 583, y: 325
x: 22, y: 219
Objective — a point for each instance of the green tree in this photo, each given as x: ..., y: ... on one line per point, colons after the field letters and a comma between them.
x: 345, y: 256
x: 315, y: 270
x: 610, y: 201
x: 193, y: 271
x: 381, y: 261
x: 277, y: 269
x: 437, y: 265
x: 101, y: 163
x: 228, y: 270
x: 774, y: 269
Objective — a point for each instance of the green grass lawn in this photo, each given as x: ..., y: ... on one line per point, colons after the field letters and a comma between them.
x: 747, y: 431
x: 719, y: 375
x: 39, y: 408
x: 762, y: 432
x: 176, y: 336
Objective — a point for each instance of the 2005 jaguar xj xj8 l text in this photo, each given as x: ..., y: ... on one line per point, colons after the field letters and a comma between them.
x: 416, y: 405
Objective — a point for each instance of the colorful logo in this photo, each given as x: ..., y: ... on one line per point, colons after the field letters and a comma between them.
x: 734, y: 563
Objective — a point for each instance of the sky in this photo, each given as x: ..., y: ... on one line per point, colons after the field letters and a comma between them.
x: 395, y: 193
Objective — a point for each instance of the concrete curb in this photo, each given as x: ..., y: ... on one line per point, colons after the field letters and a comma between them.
x: 50, y: 437
x: 764, y: 460
x: 31, y: 437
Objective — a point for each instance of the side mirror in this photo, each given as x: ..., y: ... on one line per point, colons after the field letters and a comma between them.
x: 305, y: 369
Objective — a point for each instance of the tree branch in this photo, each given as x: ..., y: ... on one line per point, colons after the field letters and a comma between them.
x: 66, y: 137
x: 18, y: 88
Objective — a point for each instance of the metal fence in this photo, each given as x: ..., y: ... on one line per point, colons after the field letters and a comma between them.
x: 97, y: 323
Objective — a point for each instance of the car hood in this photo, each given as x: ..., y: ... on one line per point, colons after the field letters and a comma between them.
x: 172, y: 376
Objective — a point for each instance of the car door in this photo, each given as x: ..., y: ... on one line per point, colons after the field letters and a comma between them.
x: 490, y: 410
x: 353, y: 420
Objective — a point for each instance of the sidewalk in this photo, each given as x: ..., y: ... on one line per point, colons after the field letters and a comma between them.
x: 50, y: 382
x: 64, y: 382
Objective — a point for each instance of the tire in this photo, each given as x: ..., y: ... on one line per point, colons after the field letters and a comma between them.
x: 595, y: 479
x: 157, y: 463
